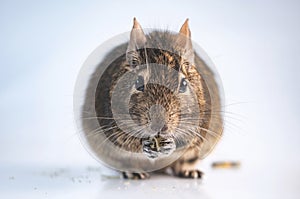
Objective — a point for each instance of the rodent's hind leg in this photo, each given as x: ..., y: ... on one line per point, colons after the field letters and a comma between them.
x: 190, y: 174
x: 185, y: 167
x: 135, y: 176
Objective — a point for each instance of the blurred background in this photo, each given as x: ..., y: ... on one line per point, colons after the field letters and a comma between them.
x: 254, y: 45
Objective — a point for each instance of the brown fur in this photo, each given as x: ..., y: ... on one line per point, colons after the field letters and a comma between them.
x: 209, y: 128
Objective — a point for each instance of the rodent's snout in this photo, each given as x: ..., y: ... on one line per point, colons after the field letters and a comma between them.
x: 156, y: 110
x: 157, y: 118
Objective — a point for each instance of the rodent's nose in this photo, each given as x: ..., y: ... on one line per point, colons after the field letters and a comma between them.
x: 157, y: 118
x: 164, y: 128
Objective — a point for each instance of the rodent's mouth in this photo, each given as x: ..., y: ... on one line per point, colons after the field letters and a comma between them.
x: 179, y: 142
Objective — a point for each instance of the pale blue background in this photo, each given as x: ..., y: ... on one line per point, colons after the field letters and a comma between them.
x: 254, y: 44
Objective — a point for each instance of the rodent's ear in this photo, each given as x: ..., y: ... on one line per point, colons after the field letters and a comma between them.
x: 185, y: 30
x: 185, y: 42
x: 137, y: 37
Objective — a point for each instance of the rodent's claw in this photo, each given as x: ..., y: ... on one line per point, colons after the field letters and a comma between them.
x: 190, y: 174
x: 147, y: 150
x: 135, y: 176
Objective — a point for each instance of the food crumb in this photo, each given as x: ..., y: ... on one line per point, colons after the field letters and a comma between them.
x: 226, y: 165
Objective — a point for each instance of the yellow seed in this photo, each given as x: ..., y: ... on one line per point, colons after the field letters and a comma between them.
x: 226, y: 165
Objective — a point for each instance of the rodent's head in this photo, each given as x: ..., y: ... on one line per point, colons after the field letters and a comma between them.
x: 164, y: 99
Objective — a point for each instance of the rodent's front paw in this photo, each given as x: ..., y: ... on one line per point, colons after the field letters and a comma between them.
x: 167, y: 146
x: 155, y: 146
x: 149, y: 150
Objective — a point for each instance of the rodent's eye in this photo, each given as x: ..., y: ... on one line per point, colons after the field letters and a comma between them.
x: 183, y: 85
x: 139, y: 83
x: 134, y: 63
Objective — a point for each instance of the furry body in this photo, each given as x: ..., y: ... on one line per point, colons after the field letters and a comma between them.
x: 161, y: 104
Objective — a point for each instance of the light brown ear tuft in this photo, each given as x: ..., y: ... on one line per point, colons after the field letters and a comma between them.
x: 137, y: 37
x: 136, y: 24
x: 185, y: 30
x: 137, y: 41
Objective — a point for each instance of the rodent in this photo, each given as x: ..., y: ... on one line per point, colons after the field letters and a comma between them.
x: 173, y: 105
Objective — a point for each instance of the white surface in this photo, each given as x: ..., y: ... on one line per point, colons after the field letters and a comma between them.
x: 254, y: 45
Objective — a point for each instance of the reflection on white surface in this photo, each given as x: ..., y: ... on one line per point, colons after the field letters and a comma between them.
x: 254, y: 45
x: 91, y: 182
